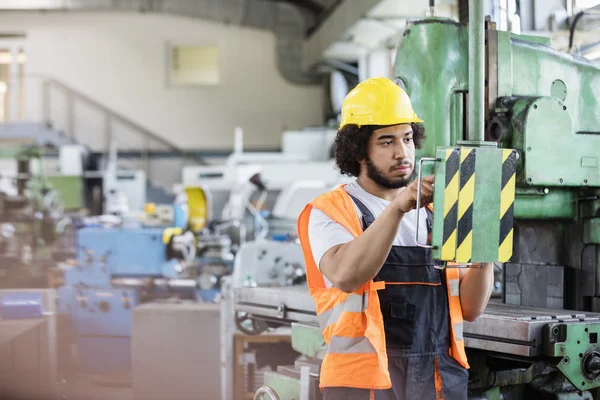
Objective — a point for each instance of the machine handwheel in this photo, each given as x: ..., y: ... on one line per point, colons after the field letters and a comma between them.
x: 53, y: 204
x: 265, y: 393
x: 183, y: 246
x: 248, y: 325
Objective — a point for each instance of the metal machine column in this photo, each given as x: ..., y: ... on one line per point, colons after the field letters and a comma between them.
x: 476, y: 71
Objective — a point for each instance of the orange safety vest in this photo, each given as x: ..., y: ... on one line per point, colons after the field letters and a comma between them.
x: 352, y: 323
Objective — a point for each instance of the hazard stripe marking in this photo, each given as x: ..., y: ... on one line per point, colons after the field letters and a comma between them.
x: 450, y: 204
x: 507, y: 202
x: 465, y: 205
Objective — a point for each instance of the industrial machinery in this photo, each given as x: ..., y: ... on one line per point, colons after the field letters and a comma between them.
x: 513, y: 138
x: 116, y: 270
x: 121, y: 264
x: 306, y: 155
x: 33, y: 223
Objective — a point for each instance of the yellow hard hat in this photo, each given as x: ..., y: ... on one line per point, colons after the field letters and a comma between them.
x: 377, y: 101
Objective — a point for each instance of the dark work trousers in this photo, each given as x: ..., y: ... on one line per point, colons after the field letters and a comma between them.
x: 414, y: 305
x: 413, y: 378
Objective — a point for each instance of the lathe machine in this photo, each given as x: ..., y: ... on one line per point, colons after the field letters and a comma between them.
x: 34, y: 230
x: 119, y: 267
x: 514, y: 140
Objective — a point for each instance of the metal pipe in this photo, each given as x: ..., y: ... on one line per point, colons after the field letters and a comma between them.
x: 431, y: 10
x: 175, y: 283
x: 553, y: 205
x: 130, y: 282
x: 157, y: 282
x: 597, y: 269
x: 476, y: 70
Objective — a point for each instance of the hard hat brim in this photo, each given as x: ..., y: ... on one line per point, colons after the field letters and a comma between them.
x: 398, y: 122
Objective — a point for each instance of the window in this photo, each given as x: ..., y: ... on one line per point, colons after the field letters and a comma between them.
x: 194, y: 65
x: 583, y: 4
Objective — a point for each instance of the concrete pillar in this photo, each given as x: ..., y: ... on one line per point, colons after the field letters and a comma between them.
x: 363, y: 68
x: 13, y: 85
x: 380, y: 63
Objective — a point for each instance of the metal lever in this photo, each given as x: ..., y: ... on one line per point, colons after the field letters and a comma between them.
x: 421, y: 161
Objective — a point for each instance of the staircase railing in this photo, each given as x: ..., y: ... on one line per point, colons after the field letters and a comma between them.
x: 95, y: 125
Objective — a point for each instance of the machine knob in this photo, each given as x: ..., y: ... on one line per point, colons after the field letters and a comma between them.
x: 126, y: 303
x: 104, y: 306
x: 591, y: 365
x: 594, y: 365
x: 53, y: 204
x: 265, y: 393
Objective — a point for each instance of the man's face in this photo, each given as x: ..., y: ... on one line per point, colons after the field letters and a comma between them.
x: 391, y: 156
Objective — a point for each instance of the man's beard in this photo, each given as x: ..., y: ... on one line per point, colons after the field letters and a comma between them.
x: 379, y: 178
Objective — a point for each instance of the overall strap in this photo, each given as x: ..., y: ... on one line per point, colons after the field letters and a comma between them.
x: 429, y: 220
x: 367, y: 216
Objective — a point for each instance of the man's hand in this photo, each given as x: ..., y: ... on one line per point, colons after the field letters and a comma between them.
x: 406, y: 199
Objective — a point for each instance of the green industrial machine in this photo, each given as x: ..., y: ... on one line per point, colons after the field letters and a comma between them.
x: 513, y: 131
x: 34, y: 229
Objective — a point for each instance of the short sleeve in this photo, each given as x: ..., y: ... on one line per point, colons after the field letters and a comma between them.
x: 324, y: 233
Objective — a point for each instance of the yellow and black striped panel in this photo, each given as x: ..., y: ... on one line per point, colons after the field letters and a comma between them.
x: 507, y: 202
x: 465, y: 205
x: 450, y: 204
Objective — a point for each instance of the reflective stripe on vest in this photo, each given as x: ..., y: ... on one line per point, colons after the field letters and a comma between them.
x: 354, y: 303
x: 358, y: 315
x: 344, y: 345
x: 457, y: 344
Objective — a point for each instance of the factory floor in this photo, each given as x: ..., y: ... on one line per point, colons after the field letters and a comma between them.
x: 98, y: 388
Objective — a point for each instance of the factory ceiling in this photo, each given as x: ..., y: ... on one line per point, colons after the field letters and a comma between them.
x: 305, y: 44
x: 312, y: 35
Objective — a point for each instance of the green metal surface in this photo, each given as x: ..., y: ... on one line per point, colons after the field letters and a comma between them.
x: 573, y: 342
x: 590, y: 207
x: 286, y: 387
x: 492, y: 394
x: 557, y: 204
x: 564, y: 143
x: 70, y: 189
x: 10, y: 152
x: 555, y: 388
x: 307, y: 340
x: 525, y: 69
x: 486, y: 205
x: 440, y: 44
x: 476, y: 70
x: 535, y: 68
x: 576, y: 164
x: 591, y: 231
x: 541, y: 40
x: 505, y: 70
x: 559, y: 90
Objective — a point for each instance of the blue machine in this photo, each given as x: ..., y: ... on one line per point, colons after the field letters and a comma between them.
x: 21, y: 305
x: 117, y: 270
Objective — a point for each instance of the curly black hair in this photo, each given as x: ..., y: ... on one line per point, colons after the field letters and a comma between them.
x: 352, y: 144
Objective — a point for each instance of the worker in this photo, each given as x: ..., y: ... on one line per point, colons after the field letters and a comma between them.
x: 392, y: 321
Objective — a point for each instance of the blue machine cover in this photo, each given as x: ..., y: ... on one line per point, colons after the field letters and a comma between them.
x: 21, y: 305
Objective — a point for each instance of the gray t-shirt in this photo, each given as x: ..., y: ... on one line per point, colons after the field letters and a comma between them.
x: 324, y: 233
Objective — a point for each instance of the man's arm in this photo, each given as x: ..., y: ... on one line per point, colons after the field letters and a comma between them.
x: 476, y: 286
x: 349, y: 266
